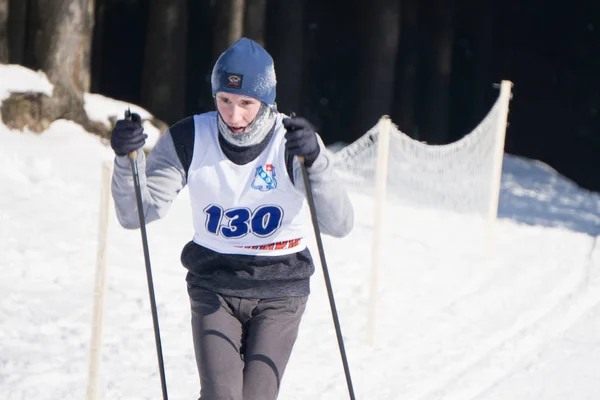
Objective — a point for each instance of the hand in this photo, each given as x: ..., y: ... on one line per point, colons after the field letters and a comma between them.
x: 301, y: 139
x: 127, y: 136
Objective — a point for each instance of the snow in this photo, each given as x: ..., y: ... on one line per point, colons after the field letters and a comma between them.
x: 105, y: 110
x: 451, y: 323
x: 15, y: 78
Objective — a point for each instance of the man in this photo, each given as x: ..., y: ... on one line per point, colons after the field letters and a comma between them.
x: 248, y: 264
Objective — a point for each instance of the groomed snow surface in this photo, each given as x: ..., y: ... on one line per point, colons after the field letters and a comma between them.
x: 453, y: 321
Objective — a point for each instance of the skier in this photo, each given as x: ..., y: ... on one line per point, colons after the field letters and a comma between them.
x: 248, y: 262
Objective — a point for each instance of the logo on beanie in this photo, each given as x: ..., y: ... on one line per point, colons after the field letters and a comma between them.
x: 264, y: 180
x: 234, y: 81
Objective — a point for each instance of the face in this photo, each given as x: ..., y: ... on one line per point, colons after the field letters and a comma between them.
x: 237, y: 111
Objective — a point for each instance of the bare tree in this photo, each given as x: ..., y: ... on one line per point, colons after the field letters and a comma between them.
x: 483, y: 52
x: 228, y: 24
x: 407, y: 67
x: 97, y: 45
x: 163, y: 82
x: 61, y: 38
x: 438, y: 26
x: 17, y: 27
x: 4, y: 32
x: 382, y: 34
x: 254, y: 20
x: 288, y: 50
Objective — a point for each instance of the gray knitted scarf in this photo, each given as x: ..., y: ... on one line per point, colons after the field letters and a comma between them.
x: 254, y: 133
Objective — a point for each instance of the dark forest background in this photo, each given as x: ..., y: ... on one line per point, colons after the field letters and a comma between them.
x: 431, y: 64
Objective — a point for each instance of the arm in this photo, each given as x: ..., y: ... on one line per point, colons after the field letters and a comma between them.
x: 333, y: 207
x: 162, y: 176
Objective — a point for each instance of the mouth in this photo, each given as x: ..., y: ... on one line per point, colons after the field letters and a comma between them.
x: 237, y: 129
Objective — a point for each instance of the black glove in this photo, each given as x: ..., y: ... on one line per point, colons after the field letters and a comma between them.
x: 301, y: 139
x: 127, y: 135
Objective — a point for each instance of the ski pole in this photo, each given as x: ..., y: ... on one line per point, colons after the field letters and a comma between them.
x: 334, y: 314
x: 138, y: 195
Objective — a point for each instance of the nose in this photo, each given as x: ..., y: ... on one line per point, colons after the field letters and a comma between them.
x: 236, y: 115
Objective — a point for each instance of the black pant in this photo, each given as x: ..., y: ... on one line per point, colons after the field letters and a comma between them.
x: 242, y: 345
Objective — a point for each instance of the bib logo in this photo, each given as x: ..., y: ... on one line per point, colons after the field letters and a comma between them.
x: 264, y: 180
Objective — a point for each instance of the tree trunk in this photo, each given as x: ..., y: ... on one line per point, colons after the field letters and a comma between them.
x: 4, y: 46
x: 200, y: 57
x: 407, y: 67
x: 163, y: 85
x: 254, y: 21
x: 438, y: 47
x: 228, y: 24
x: 382, y: 34
x: 87, y: 37
x: 61, y: 34
x: 288, y: 54
x: 17, y: 27
x: 483, y: 51
x: 97, y: 46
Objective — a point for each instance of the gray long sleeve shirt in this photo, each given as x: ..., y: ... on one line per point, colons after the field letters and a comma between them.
x: 163, y: 175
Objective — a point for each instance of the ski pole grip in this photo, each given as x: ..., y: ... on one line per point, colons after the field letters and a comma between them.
x: 300, y: 158
x: 135, y: 118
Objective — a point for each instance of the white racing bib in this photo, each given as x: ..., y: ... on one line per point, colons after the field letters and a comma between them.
x: 244, y: 209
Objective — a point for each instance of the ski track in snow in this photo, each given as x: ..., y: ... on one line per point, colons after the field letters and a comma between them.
x: 521, y: 344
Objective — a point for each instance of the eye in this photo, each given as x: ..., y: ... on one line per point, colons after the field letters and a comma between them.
x: 224, y: 100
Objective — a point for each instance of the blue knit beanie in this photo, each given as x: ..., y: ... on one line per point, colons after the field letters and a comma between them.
x: 245, y: 68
